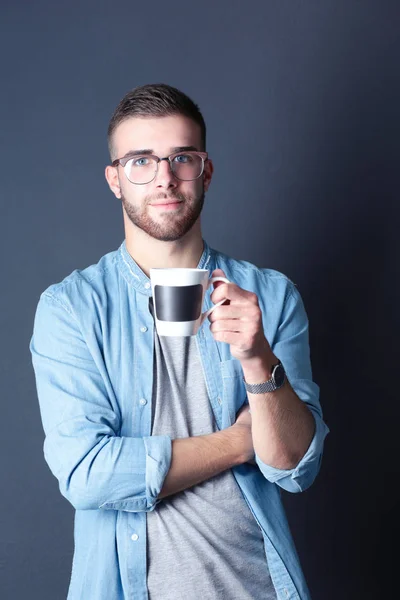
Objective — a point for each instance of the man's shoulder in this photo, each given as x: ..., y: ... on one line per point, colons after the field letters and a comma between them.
x: 244, y: 269
x: 90, y: 278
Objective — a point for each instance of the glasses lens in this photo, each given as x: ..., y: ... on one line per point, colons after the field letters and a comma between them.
x: 141, y: 169
x: 187, y: 166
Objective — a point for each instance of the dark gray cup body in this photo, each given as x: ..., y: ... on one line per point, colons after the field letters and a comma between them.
x: 176, y: 303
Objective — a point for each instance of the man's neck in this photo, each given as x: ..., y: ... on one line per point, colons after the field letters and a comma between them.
x: 150, y: 253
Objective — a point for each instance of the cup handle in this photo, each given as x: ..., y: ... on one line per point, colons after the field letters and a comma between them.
x: 209, y: 311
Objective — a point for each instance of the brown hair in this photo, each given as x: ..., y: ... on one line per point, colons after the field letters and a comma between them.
x: 155, y: 100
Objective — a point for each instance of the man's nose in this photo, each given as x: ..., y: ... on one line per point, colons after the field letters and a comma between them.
x: 165, y: 177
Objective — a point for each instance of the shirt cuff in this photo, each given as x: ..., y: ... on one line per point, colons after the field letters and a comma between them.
x: 300, y: 477
x: 157, y: 454
x: 158, y: 462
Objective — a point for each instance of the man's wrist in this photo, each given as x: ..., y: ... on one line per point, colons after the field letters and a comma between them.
x: 260, y: 370
x: 239, y: 437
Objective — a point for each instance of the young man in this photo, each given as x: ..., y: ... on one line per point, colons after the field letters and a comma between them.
x: 175, y: 482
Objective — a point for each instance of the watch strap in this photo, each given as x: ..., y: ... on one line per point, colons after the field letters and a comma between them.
x: 265, y: 386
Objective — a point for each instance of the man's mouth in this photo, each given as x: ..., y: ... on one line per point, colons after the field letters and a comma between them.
x: 167, y: 204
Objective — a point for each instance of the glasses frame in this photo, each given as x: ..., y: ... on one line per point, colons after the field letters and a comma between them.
x: 123, y: 162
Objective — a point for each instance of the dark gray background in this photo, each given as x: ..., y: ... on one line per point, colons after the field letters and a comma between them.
x: 302, y: 105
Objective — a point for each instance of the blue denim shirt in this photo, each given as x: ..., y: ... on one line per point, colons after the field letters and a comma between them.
x: 92, y: 352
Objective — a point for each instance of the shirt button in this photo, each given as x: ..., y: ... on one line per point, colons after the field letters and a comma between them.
x: 147, y: 285
x: 143, y: 401
x: 143, y: 329
x: 134, y: 537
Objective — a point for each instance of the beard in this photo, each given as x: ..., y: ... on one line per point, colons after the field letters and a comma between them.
x: 171, y: 226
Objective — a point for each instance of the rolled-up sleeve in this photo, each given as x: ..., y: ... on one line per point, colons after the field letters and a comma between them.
x: 94, y: 465
x: 291, y: 346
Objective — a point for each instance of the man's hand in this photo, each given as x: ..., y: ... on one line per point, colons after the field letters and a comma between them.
x: 243, y: 421
x: 239, y: 323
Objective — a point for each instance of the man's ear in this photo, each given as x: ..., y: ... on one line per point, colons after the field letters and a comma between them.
x: 111, y: 174
x: 208, y: 173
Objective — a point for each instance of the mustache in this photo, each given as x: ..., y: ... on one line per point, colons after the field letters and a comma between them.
x: 163, y: 196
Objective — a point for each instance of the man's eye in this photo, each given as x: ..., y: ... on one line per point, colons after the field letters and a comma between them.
x: 183, y: 158
x: 141, y: 162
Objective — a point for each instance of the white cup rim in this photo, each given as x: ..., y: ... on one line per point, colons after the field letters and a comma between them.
x: 178, y: 269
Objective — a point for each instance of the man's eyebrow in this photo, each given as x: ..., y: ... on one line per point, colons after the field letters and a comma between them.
x: 151, y: 151
x: 183, y: 148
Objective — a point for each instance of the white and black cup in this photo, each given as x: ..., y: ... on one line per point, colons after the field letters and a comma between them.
x: 178, y: 296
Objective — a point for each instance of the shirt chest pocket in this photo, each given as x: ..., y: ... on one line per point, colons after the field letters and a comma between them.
x: 234, y: 393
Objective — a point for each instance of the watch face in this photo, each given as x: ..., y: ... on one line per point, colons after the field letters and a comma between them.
x: 279, y: 375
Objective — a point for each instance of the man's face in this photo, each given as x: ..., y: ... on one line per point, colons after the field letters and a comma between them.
x: 162, y: 136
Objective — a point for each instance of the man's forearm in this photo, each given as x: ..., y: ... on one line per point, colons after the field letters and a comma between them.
x: 282, y: 425
x: 196, y: 459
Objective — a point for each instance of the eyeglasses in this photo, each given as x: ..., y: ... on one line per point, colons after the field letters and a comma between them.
x: 185, y: 166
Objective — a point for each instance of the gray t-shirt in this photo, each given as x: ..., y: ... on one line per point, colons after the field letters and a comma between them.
x: 204, y: 541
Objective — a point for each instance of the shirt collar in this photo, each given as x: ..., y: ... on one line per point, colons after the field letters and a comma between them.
x: 139, y: 280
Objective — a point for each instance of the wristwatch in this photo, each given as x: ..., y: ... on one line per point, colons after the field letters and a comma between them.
x: 277, y: 380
